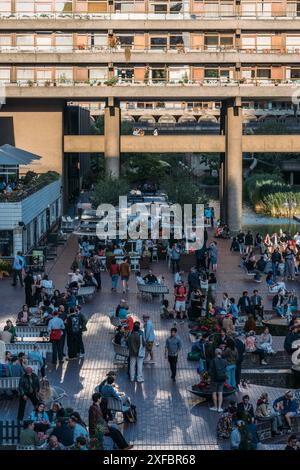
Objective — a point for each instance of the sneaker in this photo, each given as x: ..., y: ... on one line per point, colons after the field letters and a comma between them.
x: 264, y: 363
x: 140, y: 381
x: 213, y: 408
x: 81, y: 355
x: 181, y: 322
x: 220, y: 410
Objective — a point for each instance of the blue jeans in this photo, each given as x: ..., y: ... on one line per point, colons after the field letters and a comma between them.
x: 280, y: 311
x: 274, y: 270
x: 231, y: 375
x: 114, y: 281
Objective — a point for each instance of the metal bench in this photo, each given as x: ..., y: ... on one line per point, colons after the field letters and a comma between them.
x: 116, y: 406
x: 153, y: 289
x: 86, y: 291
x: 121, y: 353
x: 9, y: 383
x: 28, y: 331
x: 15, y: 348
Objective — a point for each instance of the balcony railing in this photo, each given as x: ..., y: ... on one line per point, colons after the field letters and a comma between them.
x: 153, y: 83
x: 291, y: 13
x: 146, y: 50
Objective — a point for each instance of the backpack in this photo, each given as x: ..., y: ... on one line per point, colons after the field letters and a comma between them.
x: 130, y: 416
x: 75, y: 324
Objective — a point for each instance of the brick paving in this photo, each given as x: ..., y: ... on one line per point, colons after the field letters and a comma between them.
x: 169, y: 417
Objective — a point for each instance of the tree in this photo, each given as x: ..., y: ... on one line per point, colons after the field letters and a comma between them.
x: 108, y: 190
x: 139, y: 168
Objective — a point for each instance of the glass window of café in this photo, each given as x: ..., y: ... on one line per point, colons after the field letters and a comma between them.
x: 6, y: 243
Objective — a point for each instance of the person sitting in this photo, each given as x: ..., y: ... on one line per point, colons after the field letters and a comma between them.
x: 109, y: 391
x: 261, y: 264
x: 10, y: 328
x: 23, y: 316
x: 279, y: 303
x: 15, y: 368
x: 120, y: 337
x: 76, y: 279
x: 40, y: 418
x: 28, y: 436
x: 57, y: 411
x: 150, y: 278
x: 36, y: 355
x: 250, y: 342
x: 234, y: 310
x: 78, y: 427
x: 292, y: 443
x: 287, y: 406
x: 244, y: 303
x: 245, y: 407
x: 256, y: 304
x: 235, y: 245
x: 53, y: 444
x: 274, y: 287
x: 228, y: 325
x: 165, y: 312
x: 250, y: 324
x: 122, y: 310
x: 263, y: 344
x: 139, y: 279
x: 264, y: 412
x: 48, y: 284
x: 63, y: 432
x: 292, y: 335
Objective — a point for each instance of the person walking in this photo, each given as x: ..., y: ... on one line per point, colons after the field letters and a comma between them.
x: 172, y: 349
x: 18, y: 266
x: 175, y: 258
x: 95, y: 265
x: 125, y: 274
x: 217, y: 372
x: 136, y: 346
x: 73, y: 329
x: 114, y: 272
x: 29, y: 282
x: 56, y: 328
x: 29, y: 387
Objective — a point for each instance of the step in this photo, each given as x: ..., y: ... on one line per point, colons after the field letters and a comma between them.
x: 279, y: 378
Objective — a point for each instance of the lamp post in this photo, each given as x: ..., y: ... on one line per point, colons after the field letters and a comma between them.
x: 289, y: 205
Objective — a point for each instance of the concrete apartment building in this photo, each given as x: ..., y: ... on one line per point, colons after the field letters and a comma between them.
x: 230, y: 52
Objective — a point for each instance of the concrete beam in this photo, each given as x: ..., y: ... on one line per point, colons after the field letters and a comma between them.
x: 271, y: 143
x: 145, y: 92
x: 182, y: 143
x: 207, y: 24
x: 141, y: 57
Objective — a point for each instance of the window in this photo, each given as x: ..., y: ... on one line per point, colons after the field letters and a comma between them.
x: 98, y: 40
x: 24, y: 7
x: 178, y: 74
x: 263, y: 73
x: 158, y: 43
x: 64, y: 42
x: 124, y: 74
x: 4, y: 75
x: 5, y: 7
x: 211, y: 73
x: 175, y: 41
x: 98, y: 73
x: 159, y: 75
x: 211, y: 42
x: 125, y: 40
x: 5, y: 42
x: 6, y: 242
x: 25, y: 74
x: 43, y: 74
x: 43, y: 42
x: 64, y: 74
x: 295, y: 74
x: 226, y: 41
x: 25, y: 42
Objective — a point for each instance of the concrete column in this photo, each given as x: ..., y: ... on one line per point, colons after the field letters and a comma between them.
x: 112, y: 120
x: 222, y: 182
x: 234, y: 166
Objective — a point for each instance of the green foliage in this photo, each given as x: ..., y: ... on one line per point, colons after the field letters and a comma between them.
x: 269, y: 193
x: 139, y: 168
x: 211, y: 160
x: 111, y: 82
x: 126, y: 127
x: 181, y: 190
x: 98, y: 126
x: 108, y: 190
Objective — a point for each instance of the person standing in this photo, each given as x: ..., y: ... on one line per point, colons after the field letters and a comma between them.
x: 56, y: 328
x: 249, y: 242
x: 125, y: 274
x: 180, y: 294
x: 213, y: 256
x: 276, y: 260
x: 73, y: 329
x: 241, y: 241
x: 217, y: 372
x: 83, y: 328
x: 29, y: 282
x: 29, y: 387
x: 136, y: 346
x: 175, y: 258
x: 172, y: 349
x: 114, y: 271
x: 18, y: 266
x: 149, y: 335
x: 95, y: 265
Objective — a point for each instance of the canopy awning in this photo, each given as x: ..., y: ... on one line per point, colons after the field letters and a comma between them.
x: 14, y: 156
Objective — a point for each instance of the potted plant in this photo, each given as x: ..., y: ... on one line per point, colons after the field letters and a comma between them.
x: 47, y: 83
x: 111, y: 81
x: 30, y: 83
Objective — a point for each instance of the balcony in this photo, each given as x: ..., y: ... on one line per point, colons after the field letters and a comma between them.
x: 24, y: 189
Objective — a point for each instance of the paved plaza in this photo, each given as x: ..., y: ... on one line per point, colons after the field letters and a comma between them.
x: 169, y: 417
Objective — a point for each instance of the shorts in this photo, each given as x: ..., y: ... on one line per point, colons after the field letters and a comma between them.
x: 180, y: 305
x: 294, y: 413
x: 218, y: 387
x: 149, y: 345
x: 125, y: 278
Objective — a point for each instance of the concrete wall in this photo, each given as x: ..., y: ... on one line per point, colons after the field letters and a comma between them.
x: 37, y: 128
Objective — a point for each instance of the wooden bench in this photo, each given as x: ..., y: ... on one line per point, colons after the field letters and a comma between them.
x: 121, y: 353
x: 114, y: 406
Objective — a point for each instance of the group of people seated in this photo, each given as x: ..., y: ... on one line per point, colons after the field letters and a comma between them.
x: 240, y: 420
